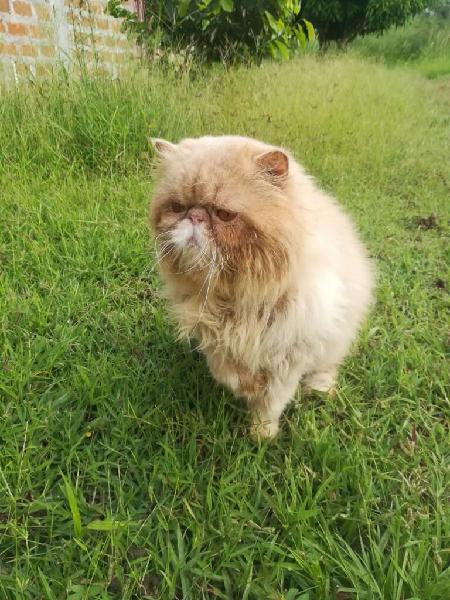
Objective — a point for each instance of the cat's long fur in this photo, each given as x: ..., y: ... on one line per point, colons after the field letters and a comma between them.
x: 276, y: 294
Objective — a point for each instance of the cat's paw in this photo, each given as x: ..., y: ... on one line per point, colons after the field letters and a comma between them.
x: 263, y: 431
x: 322, y: 381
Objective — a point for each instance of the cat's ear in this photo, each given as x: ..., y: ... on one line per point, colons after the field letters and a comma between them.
x: 162, y: 147
x: 275, y: 164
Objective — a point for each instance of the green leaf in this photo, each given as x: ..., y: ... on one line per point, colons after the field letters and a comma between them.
x: 300, y: 35
x: 304, y: 514
x: 106, y: 525
x: 297, y: 5
x: 47, y: 590
x: 183, y: 7
x: 310, y: 30
x: 282, y: 49
x: 73, y: 504
x: 272, y: 49
x: 271, y: 21
x: 290, y: 6
x: 227, y: 5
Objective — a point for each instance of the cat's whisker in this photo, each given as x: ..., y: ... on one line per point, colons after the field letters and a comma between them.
x: 196, y: 262
x: 225, y: 265
x: 162, y: 234
x: 160, y: 249
x: 207, y: 282
x: 166, y: 250
x: 161, y: 244
x: 208, y: 266
x: 165, y: 239
x: 209, y: 276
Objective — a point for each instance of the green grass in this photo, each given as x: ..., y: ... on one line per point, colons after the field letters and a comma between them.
x: 423, y: 44
x: 125, y: 472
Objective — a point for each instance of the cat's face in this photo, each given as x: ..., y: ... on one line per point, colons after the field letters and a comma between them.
x: 220, y: 206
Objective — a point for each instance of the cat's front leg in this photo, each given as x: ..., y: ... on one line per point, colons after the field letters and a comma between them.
x: 267, y: 394
x: 236, y: 377
x: 267, y: 406
x: 223, y: 371
x: 321, y: 381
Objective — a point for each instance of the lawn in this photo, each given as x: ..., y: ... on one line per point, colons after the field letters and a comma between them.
x: 125, y: 471
x: 423, y: 44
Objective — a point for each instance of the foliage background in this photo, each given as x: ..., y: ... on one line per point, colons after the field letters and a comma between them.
x: 226, y: 30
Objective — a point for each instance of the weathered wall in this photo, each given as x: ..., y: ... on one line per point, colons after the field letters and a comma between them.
x: 36, y: 35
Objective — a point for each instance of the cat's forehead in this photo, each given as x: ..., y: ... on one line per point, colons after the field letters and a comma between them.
x: 213, y: 160
x: 203, y: 177
x: 220, y: 170
x: 218, y: 155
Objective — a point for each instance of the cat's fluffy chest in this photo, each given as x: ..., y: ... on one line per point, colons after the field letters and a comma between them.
x: 248, y: 336
x: 263, y: 334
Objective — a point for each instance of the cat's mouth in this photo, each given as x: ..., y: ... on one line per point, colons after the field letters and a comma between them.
x: 187, y: 234
x: 192, y: 243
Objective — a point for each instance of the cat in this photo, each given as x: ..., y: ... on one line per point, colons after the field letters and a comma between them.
x: 265, y: 271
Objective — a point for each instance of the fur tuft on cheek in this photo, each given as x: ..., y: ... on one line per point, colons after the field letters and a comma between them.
x: 250, y: 253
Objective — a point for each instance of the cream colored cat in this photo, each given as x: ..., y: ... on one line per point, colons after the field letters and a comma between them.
x: 262, y: 268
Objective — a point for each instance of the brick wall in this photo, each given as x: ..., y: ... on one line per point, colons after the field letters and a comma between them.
x: 37, y: 35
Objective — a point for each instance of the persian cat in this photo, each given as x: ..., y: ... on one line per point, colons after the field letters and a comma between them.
x: 261, y: 268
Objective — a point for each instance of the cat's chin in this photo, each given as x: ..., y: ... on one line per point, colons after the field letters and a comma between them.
x: 192, y: 243
x: 194, y: 256
x: 187, y: 236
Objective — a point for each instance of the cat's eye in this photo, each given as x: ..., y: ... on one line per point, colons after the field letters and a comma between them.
x: 177, y: 207
x: 225, y: 215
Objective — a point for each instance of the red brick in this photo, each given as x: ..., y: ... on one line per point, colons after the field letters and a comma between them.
x: 125, y: 44
x: 2, y: 27
x: 96, y: 8
x: 88, y: 22
x: 43, y: 13
x: 85, y: 55
x: 116, y: 25
x: 103, y: 70
x: 27, y: 50
x: 80, y: 20
x: 43, y: 70
x: 36, y: 32
x: 4, y: 6
x: 110, y: 41
x: 22, y: 8
x: 18, y: 29
x: 23, y: 69
x: 102, y: 24
x: 80, y: 38
x: 8, y: 49
x: 48, y: 51
x: 107, y: 56
x: 74, y: 19
x: 97, y: 40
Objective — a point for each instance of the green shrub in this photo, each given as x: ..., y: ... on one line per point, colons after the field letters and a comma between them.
x: 342, y: 21
x: 226, y: 30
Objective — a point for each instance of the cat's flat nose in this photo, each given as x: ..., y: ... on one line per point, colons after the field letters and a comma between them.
x: 197, y: 215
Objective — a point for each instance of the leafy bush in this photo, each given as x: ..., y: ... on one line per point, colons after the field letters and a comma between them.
x: 225, y: 30
x: 342, y: 20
